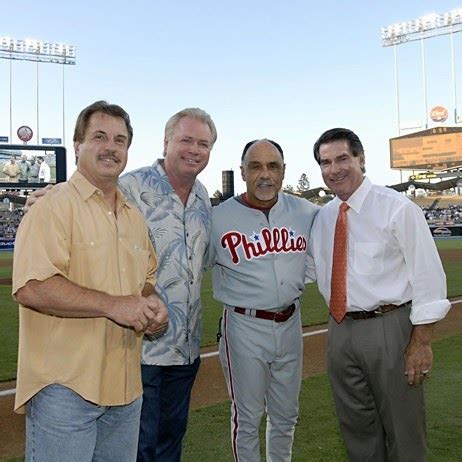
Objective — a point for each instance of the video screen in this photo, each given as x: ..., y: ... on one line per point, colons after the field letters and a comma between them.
x: 438, y: 148
x: 31, y: 167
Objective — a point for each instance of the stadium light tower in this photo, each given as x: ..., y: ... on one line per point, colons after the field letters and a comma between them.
x: 39, y: 52
x: 422, y: 28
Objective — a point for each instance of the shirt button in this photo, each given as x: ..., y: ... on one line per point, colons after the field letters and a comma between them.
x: 109, y: 213
x: 123, y: 270
x: 92, y: 243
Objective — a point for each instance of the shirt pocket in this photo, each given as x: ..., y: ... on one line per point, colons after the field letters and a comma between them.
x: 136, y: 265
x: 89, y: 263
x: 368, y: 258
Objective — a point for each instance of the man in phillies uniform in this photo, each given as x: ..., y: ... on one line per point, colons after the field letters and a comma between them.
x: 258, y: 249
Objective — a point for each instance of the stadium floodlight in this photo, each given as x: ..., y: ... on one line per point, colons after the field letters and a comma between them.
x: 430, y: 25
x: 427, y: 26
x: 37, y: 51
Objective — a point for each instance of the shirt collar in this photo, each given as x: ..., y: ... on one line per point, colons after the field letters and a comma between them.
x: 87, y: 189
x: 246, y: 202
x: 356, y: 200
x: 158, y: 167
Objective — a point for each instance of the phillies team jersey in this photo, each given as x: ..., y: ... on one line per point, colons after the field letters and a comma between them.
x: 259, y: 261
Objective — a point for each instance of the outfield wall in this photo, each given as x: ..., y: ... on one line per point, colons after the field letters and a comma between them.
x: 6, y: 243
x: 446, y: 231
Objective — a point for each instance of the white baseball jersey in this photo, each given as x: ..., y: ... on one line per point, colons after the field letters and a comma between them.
x: 259, y: 262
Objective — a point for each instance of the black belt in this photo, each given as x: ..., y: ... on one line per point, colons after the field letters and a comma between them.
x: 377, y: 312
x: 276, y: 316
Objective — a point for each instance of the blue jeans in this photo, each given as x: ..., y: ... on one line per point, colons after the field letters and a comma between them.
x: 164, y: 415
x: 61, y: 425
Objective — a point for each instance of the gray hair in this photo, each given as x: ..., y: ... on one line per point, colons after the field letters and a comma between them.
x: 194, y: 113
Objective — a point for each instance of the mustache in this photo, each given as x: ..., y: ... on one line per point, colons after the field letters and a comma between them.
x: 110, y: 156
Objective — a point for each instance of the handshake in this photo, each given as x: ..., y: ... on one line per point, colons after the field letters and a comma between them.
x: 157, y: 328
x: 158, y: 325
x: 147, y: 315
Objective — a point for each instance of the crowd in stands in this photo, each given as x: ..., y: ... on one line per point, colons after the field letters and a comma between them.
x: 9, y: 222
x: 451, y: 215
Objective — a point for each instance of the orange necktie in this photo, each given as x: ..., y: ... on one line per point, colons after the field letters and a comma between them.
x: 338, y: 287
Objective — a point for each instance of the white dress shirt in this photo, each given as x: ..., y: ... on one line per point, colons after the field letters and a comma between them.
x: 392, y: 257
x: 44, y: 172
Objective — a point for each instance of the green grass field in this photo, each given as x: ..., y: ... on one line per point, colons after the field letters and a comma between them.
x: 313, y: 308
x: 449, y: 244
x: 6, y: 255
x: 317, y: 436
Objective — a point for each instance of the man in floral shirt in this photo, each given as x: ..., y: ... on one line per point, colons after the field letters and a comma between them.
x: 177, y: 210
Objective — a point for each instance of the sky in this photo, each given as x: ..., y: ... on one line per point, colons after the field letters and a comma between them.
x: 281, y: 70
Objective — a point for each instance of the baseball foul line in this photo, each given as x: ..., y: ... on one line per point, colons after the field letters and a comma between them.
x: 12, y: 391
x: 306, y: 334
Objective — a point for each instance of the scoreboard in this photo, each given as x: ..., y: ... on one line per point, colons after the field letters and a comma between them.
x: 438, y: 148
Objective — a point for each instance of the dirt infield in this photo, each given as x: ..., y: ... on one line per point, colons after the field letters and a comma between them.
x: 451, y: 255
x: 209, y: 387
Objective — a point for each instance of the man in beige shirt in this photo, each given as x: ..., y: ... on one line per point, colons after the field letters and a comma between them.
x: 11, y: 170
x: 84, y: 277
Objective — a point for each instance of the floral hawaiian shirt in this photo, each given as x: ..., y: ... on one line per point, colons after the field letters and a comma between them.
x: 180, y: 235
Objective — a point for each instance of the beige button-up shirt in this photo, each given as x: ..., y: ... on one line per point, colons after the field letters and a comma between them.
x: 73, y: 233
x: 12, y: 172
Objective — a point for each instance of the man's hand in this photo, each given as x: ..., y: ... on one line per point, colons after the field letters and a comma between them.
x: 159, y: 324
x: 57, y: 296
x: 419, y: 355
x: 135, y: 312
x: 35, y: 196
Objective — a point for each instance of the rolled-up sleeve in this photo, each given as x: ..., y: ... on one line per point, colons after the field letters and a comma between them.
x: 423, y: 265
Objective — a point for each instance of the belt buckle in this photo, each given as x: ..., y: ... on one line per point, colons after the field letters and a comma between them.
x: 378, y: 312
x: 279, y: 316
